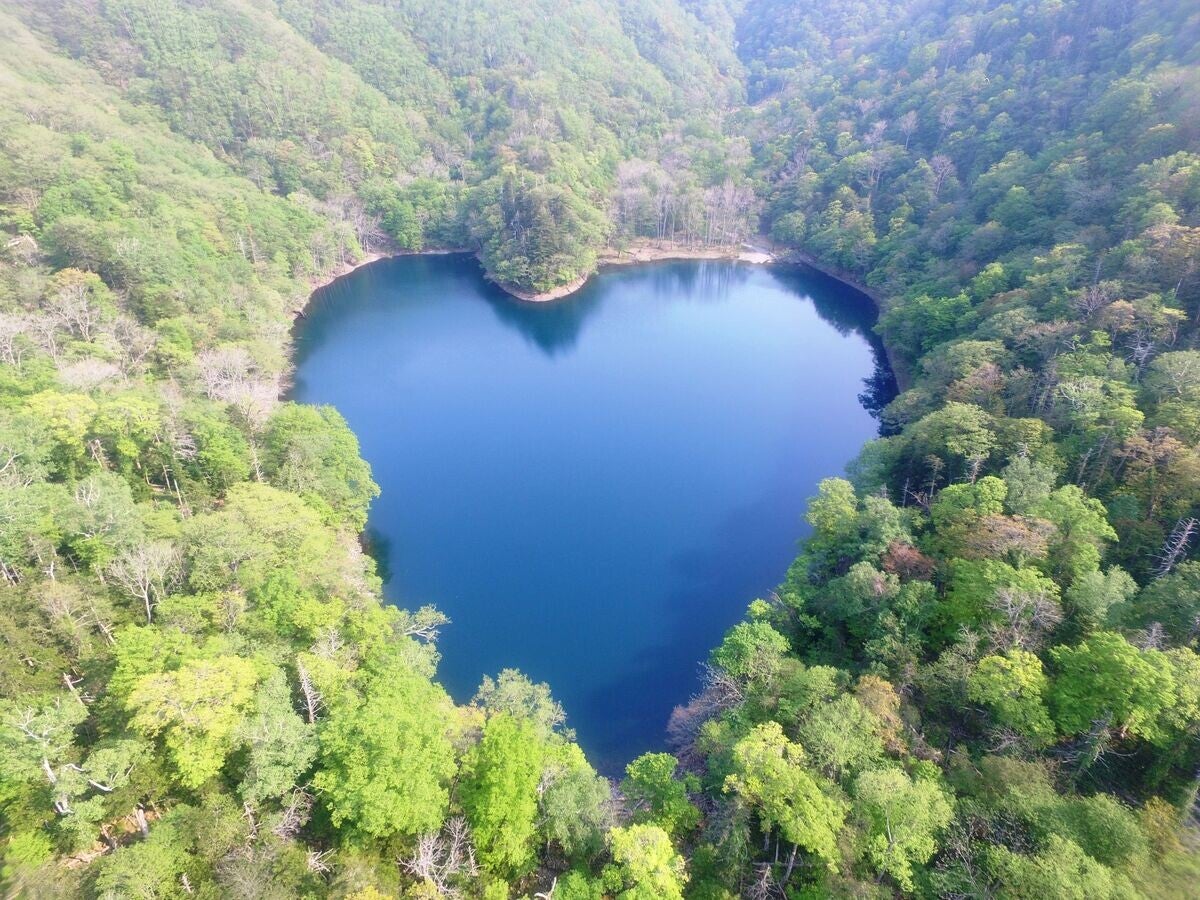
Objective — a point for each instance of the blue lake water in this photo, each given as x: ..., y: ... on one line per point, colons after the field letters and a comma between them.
x: 592, y: 489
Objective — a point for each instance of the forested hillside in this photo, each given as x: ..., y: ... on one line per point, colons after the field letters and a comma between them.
x: 979, y: 678
x: 506, y: 128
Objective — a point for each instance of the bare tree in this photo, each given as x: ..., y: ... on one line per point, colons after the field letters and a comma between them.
x: 908, y: 125
x: 872, y: 167
x: 178, y: 439
x: 1176, y: 545
x: 946, y: 119
x: 230, y: 374
x: 763, y: 885
x: 1094, y: 297
x: 313, y: 702
x: 874, y: 136
x: 318, y: 861
x: 14, y: 336
x: 425, y: 623
x: 1152, y: 637
x: 147, y: 572
x: 1025, y: 619
x: 45, y: 330
x: 87, y: 373
x: 294, y: 815
x: 73, y: 309
x: 942, y: 168
x: 719, y: 692
x: 867, y: 105
x: 1017, y: 538
x: 441, y: 857
x: 134, y: 341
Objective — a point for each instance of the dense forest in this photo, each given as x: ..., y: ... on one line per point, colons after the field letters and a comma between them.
x: 978, y: 679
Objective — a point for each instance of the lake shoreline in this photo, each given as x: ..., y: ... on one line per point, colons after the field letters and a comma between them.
x: 327, y: 278
x: 669, y: 407
x: 640, y: 252
x: 795, y: 256
x: 643, y: 252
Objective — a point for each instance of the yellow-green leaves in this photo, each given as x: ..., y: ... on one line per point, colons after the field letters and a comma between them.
x: 902, y: 818
x: 770, y: 775
x: 196, y: 710
x: 645, y: 865
x: 1013, y: 687
x: 386, y: 760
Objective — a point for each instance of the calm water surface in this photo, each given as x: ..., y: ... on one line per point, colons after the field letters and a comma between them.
x: 591, y: 489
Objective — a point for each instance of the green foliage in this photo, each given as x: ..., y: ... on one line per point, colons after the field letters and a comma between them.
x: 902, y: 817
x: 1107, y: 679
x: 499, y: 793
x: 1014, y: 687
x: 769, y: 774
x: 575, y: 804
x: 645, y: 866
x: 751, y: 651
x: 311, y: 451
x: 191, y: 633
x: 841, y: 736
x: 657, y: 796
x: 1061, y: 870
x: 282, y: 746
x: 196, y: 710
x: 386, y: 759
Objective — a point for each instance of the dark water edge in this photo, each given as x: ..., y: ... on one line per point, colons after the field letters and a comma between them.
x: 852, y: 311
x: 509, y: 440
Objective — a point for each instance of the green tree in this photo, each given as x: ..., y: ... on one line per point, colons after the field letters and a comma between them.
x: 576, y: 803
x: 1014, y: 687
x: 1062, y: 869
x: 311, y: 451
x: 751, y: 651
x: 657, y: 796
x: 196, y: 709
x: 386, y: 759
x: 1096, y: 598
x: 1172, y: 602
x: 1083, y: 530
x: 499, y: 793
x: 841, y: 736
x: 645, y: 865
x: 282, y: 746
x: 902, y: 819
x: 1107, y: 679
x: 769, y: 774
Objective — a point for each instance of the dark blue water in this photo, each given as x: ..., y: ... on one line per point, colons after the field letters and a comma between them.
x: 592, y: 489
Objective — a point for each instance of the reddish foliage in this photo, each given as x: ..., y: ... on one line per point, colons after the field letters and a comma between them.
x: 908, y: 562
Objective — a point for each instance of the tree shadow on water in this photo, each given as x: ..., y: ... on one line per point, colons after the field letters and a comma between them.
x: 849, y: 311
x: 378, y: 546
x: 553, y: 327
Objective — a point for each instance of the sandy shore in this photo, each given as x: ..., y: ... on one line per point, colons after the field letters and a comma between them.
x: 644, y: 252
x: 653, y: 252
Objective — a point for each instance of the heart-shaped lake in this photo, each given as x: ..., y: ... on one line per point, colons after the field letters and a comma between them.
x: 592, y: 489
